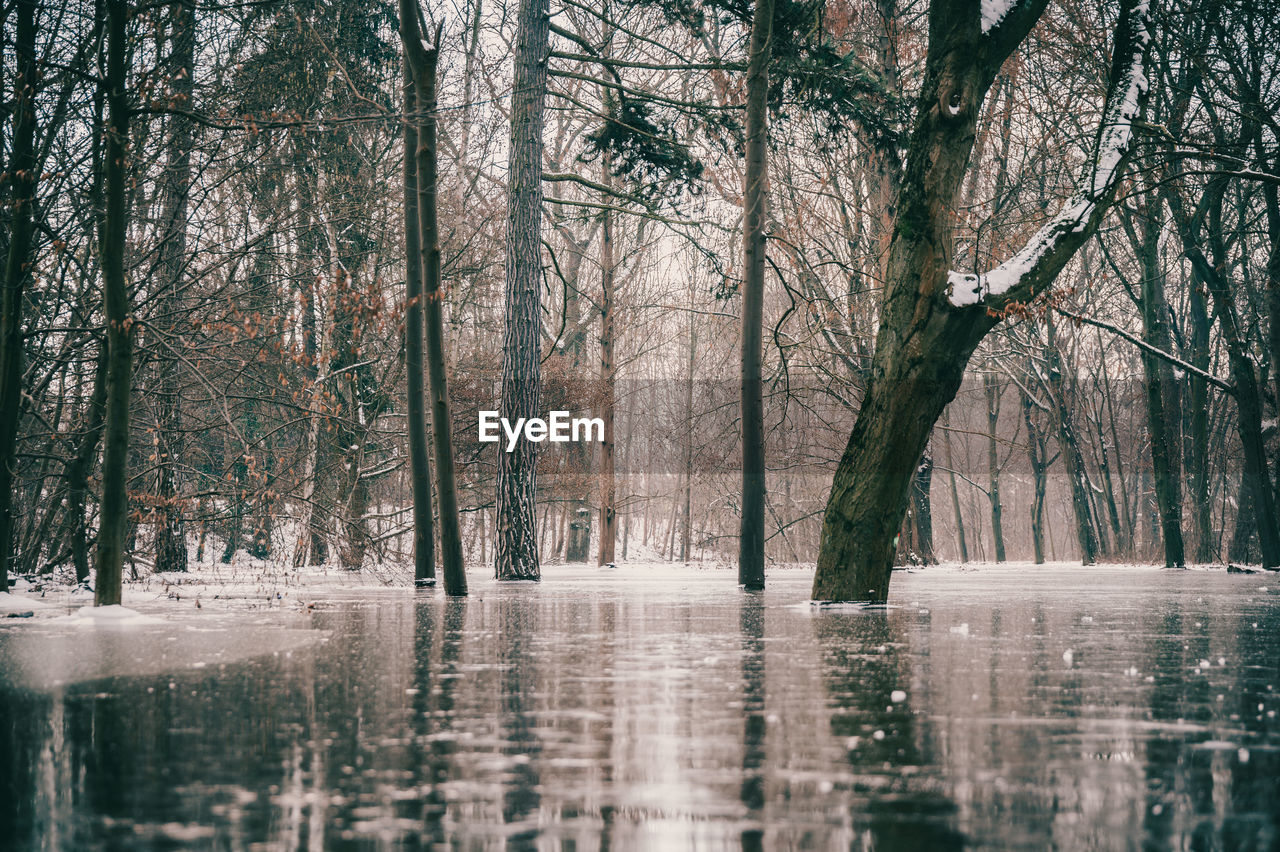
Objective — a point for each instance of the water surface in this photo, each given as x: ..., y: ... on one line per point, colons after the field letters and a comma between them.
x: 1020, y: 708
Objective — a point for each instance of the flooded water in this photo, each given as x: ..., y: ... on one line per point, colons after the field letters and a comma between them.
x: 1020, y: 709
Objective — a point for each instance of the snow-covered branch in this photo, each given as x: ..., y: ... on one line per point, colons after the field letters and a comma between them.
x: 1035, y: 265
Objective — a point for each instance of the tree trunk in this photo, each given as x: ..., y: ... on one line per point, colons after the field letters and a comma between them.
x: 1160, y: 389
x: 993, y: 392
x: 1256, y: 479
x: 924, y: 509
x: 932, y: 320
x: 608, y: 380
x: 115, y: 458
x: 17, y: 272
x: 1197, y: 438
x: 423, y: 63
x: 1039, y: 477
x: 1069, y: 449
x: 170, y: 524
x: 516, y: 545
x: 424, y: 559
x: 754, y: 199
x: 955, y: 495
x: 77, y: 472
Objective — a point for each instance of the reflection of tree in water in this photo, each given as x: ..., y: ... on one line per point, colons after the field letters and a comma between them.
x: 521, y: 797
x: 1208, y: 797
x: 430, y: 747
x: 751, y: 622
x: 863, y: 663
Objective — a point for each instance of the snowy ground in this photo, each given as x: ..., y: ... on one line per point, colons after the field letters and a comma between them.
x: 253, y: 584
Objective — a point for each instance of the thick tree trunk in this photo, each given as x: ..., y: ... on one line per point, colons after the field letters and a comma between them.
x: 17, y: 272
x: 516, y: 545
x: 170, y: 524
x: 932, y: 320
x: 754, y: 199
x: 423, y: 63
x: 1160, y: 390
x: 115, y: 459
x: 424, y: 561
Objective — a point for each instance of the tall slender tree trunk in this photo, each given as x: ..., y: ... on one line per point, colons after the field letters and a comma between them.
x: 77, y: 472
x: 424, y: 561
x: 17, y: 272
x: 170, y: 524
x: 1039, y: 478
x: 517, y: 544
x: 754, y: 199
x: 1162, y: 419
x: 686, y: 543
x: 955, y: 495
x: 1197, y: 438
x: 993, y: 391
x: 923, y: 509
x: 1073, y: 459
x: 608, y: 381
x: 114, y: 511
x: 423, y: 63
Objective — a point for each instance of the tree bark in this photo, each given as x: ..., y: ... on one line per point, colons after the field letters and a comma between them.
x: 1255, y: 478
x: 931, y: 320
x: 114, y: 511
x: 1161, y: 420
x: 754, y: 199
x: 423, y: 63
x: 424, y: 561
x: 170, y: 524
x: 516, y: 545
x: 608, y: 381
x: 17, y: 272
x: 1069, y: 449
x: 993, y: 392
x: 924, y: 509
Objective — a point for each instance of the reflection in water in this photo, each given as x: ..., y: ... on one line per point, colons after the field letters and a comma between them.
x: 894, y: 804
x: 671, y: 711
x: 751, y: 623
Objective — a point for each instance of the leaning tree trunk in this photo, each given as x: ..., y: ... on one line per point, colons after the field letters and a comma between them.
x: 423, y: 64
x: 170, y: 526
x: 516, y: 547
x: 932, y: 320
x: 17, y: 271
x: 751, y: 531
x: 115, y: 457
x: 424, y: 563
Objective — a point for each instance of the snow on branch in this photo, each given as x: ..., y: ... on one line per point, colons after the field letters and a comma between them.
x: 1079, y: 216
x: 994, y: 11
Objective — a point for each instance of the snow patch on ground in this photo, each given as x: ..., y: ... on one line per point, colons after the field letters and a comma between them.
x: 107, y: 616
x: 11, y: 604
